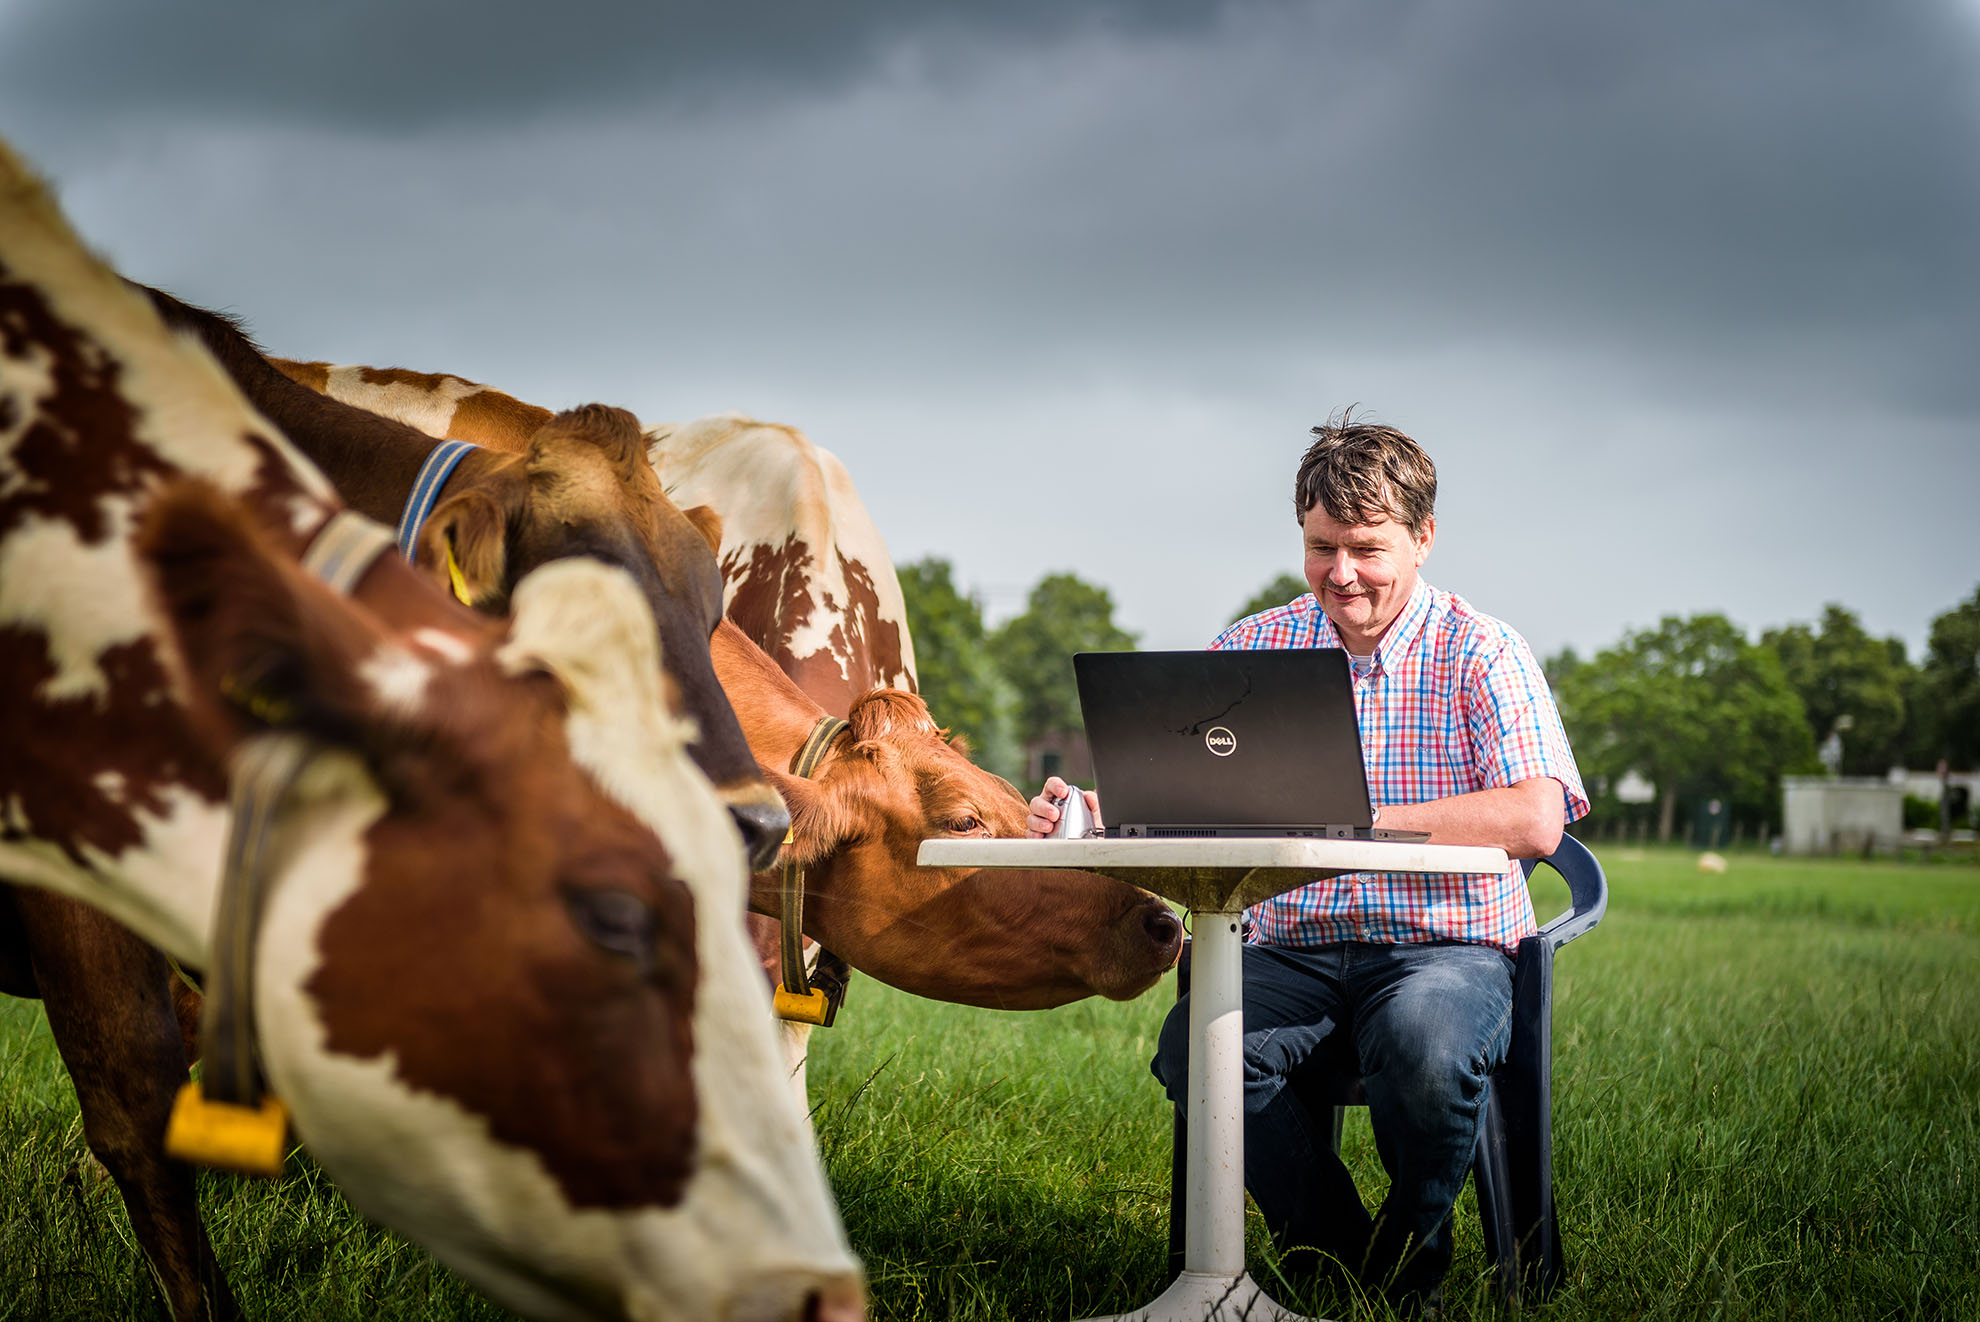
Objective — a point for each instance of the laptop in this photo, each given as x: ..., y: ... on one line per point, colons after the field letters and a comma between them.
x: 1227, y: 744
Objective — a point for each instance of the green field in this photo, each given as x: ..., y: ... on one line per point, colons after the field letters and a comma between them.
x: 1767, y: 1096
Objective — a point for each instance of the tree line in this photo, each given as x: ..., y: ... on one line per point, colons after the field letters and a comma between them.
x: 1693, y: 706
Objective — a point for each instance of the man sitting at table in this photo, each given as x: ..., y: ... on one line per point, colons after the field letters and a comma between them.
x: 1461, y: 739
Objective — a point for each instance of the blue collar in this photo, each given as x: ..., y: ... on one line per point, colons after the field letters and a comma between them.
x: 433, y: 475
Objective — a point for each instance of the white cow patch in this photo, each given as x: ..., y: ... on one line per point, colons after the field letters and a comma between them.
x: 85, y: 597
x: 397, y: 676
x: 427, y: 406
x: 450, y: 647
x: 161, y: 888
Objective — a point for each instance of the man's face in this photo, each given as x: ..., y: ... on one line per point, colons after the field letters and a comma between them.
x: 1363, y: 573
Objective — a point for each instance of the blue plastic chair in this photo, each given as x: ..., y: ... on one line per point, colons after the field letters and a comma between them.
x: 1513, y: 1171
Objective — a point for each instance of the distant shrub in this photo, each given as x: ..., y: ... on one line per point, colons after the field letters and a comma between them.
x: 1920, y: 813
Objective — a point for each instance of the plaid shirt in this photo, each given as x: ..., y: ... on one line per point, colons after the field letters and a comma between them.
x: 1454, y: 702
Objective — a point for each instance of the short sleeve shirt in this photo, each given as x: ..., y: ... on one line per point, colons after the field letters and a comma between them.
x: 1453, y: 702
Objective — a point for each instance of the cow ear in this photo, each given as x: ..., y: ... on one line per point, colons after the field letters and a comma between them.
x: 263, y: 645
x: 708, y: 523
x: 465, y: 545
x: 881, y: 712
x: 819, y: 823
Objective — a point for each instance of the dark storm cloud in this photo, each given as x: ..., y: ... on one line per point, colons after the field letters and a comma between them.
x: 1697, y: 279
x: 406, y: 63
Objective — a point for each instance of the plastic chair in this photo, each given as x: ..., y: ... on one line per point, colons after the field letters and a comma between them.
x: 1513, y: 1171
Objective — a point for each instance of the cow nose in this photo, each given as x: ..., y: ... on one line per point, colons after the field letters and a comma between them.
x: 763, y: 827
x: 1164, y: 929
x: 843, y: 1302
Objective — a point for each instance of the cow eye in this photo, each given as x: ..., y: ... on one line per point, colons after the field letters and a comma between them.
x: 617, y: 922
x: 965, y: 823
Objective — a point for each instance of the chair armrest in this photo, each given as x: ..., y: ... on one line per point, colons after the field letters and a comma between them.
x: 1588, y: 891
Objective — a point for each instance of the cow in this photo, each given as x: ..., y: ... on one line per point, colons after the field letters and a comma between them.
x: 501, y: 983
x: 787, y: 510
x: 805, y: 572
x: 1005, y: 939
x: 121, y: 1020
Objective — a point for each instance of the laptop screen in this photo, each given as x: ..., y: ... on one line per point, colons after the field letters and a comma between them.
x: 1235, y: 743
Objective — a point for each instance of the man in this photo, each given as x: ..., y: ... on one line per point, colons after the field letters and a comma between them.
x: 1462, y: 739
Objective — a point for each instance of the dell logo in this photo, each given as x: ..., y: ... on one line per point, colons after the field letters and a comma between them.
x: 1221, y: 741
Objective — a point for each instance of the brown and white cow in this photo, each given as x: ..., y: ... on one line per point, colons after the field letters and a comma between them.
x: 501, y: 984
x: 805, y: 572
x: 582, y: 487
x: 942, y: 933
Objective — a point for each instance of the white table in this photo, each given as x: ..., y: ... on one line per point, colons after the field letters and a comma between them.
x: 1216, y: 880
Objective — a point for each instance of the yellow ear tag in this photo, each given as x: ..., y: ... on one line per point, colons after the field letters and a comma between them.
x: 251, y: 1140
x: 809, y: 1009
x: 457, y: 579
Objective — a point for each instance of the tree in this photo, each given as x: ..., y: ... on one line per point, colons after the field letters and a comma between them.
x: 956, y: 675
x: 1693, y: 706
x: 1849, y: 683
x: 1278, y: 592
x: 1946, y: 708
x: 1034, y: 650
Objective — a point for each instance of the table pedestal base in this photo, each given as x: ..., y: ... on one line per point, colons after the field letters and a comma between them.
x: 1197, y: 1297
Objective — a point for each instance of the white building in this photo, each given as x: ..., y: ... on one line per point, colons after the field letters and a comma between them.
x: 1841, y: 814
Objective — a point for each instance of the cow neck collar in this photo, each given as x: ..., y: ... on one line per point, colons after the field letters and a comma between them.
x: 229, y: 1118
x: 795, y: 999
x: 425, y: 494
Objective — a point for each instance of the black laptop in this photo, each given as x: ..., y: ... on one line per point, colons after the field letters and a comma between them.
x: 1227, y: 744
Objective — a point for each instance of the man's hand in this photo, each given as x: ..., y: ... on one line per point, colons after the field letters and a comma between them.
x: 1045, y: 813
x: 1525, y: 820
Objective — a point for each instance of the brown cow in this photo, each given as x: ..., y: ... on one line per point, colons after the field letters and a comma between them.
x: 1006, y: 939
x: 921, y: 929
x: 500, y: 984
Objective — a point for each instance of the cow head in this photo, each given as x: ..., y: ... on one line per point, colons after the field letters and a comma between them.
x: 582, y: 487
x: 502, y: 983
x: 1008, y: 939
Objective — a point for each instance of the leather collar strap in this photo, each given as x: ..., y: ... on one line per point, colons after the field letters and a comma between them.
x: 795, y: 999
x: 263, y: 771
x: 433, y: 475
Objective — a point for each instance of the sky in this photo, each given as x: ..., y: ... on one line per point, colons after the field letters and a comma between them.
x: 1683, y: 298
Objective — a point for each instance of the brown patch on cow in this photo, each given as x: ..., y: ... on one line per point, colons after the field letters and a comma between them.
x: 869, y: 644
x: 609, y: 1106
x: 499, y: 421
x: 316, y: 376
x: 771, y: 599
x: 604, y: 1104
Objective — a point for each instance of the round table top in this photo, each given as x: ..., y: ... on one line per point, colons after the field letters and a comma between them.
x: 1216, y: 875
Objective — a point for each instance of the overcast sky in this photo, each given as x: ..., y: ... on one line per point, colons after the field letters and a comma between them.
x: 1683, y: 298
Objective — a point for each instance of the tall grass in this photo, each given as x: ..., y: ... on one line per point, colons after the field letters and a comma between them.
x: 1767, y: 1105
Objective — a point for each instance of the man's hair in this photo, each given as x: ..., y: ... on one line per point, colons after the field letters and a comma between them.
x: 1359, y: 471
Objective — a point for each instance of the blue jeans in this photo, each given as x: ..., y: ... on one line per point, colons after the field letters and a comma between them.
x: 1428, y: 1024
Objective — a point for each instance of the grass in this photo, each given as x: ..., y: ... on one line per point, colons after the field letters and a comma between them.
x: 1767, y: 1105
